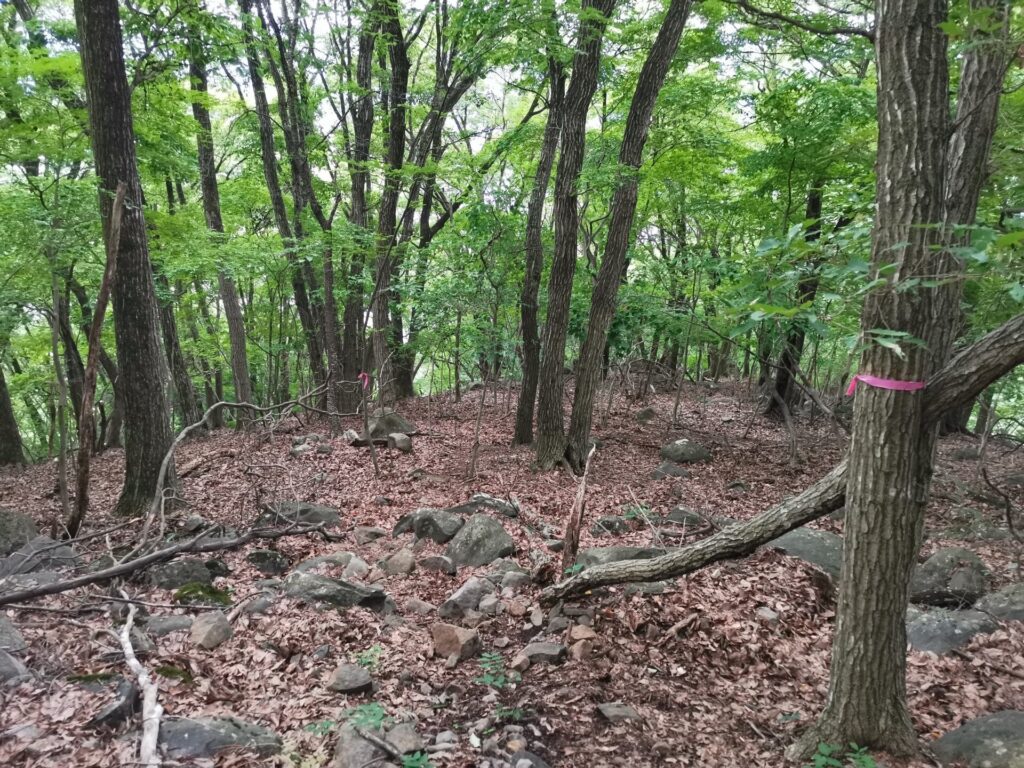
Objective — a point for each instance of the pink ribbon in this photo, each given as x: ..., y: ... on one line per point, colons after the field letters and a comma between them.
x: 364, y: 379
x: 875, y: 381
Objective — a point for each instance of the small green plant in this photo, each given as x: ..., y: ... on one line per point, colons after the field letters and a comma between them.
x: 509, y: 714
x: 494, y: 674
x: 198, y: 593
x: 636, y: 512
x: 370, y: 658
x: 174, y: 673
x: 417, y: 760
x: 835, y: 756
x: 572, y: 570
x: 320, y: 728
x: 372, y: 716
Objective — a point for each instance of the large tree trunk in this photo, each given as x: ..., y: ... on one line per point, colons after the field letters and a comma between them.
x: 211, y: 210
x: 147, y: 423
x: 11, y: 449
x: 623, y: 209
x: 594, y: 17
x: 528, y: 301
x: 891, y: 451
x: 965, y: 376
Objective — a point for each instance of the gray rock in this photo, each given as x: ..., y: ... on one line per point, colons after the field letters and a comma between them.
x: 10, y: 637
x: 205, y: 736
x: 353, y: 751
x: 953, y: 577
x: 466, y: 598
x: 300, y: 450
x: 617, y: 712
x: 1015, y: 480
x: 941, y: 631
x: 539, y: 653
x: 990, y: 741
x: 269, y: 562
x: 364, y: 534
x: 602, y: 555
x: 480, y: 541
x: 438, y: 525
x: 819, y: 548
x: 526, y: 759
x: 16, y: 530
x: 325, y: 449
x: 39, y: 554
x: 967, y: 453
x: 210, y: 630
x: 11, y: 667
x: 483, y: 502
x: 299, y: 512
x: 178, y: 573
x: 609, y: 525
x: 421, y: 607
x: 438, y: 563
x: 158, y: 626
x: 323, y: 589
x: 386, y: 422
x: 401, y: 563
x: 1006, y: 604
x: 350, y: 564
x: 404, y: 738
x: 21, y: 581
x: 120, y: 709
x: 644, y: 415
x: 685, y: 451
x: 669, y: 469
x: 400, y: 442
x: 450, y: 640
x: 515, y: 580
x: 351, y: 679
x: 258, y: 605
x: 685, y: 517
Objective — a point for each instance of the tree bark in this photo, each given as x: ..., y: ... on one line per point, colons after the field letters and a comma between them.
x: 623, y: 209
x: 529, y: 298
x: 147, y: 423
x: 594, y: 17
x: 11, y: 449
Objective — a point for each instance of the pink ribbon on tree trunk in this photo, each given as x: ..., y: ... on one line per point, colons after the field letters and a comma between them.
x: 880, y: 383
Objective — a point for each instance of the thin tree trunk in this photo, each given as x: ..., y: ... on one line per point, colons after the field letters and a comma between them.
x: 147, y: 424
x: 623, y: 209
x: 11, y: 449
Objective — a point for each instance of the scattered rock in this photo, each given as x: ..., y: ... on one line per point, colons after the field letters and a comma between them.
x: 10, y: 637
x: 539, y: 653
x: 350, y: 565
x: 684, y: 517
x: 258, y: 605
x: 1006, y: 604
x: 644, y: 415
x: 483, y: 502
x: 269, y: 562
x: 323, y: 589
x: 210, y: 629
x: 350, y: 679
x: 480, y: 541
x: 205, y: 736
x: 940, y: 631
x: 685, y: 451
x: 450, y: 640
x: 446, y: 737
x: 489, y: 605
x: 16, y: 530
x: 325, y: 448
x: 403, y: 737
x: 953, y: 578
x: 990, y: 741
x: 581, y: 650
x: 11, y: 667
x: 22, y: 581
x: 515, y: 579
x: 387, y: 422
x: 121, y: 709
x: 178, y: 573
x: 767, y: 615
x: 525, y: 759
x: 299, y: 512
x: 364, y: 534
x: 609, y: 525
x: 669, y: 469
x: 300, y: 450
x: 39, y: 554
x: 580, y: 632
x: 400, y: 442
x: 967, y: 453
x: 465, y: 599
x: 617, y: 712
x: 438, y: 563
x: 602, y: 555
x: 353, y: 751
x: 401, y: 563
x: 438, y: 525
x: 421, y: 607
x: 158, y: 626
x: 819, y: 548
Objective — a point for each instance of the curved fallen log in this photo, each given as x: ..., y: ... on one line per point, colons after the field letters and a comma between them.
x: 961, y: 380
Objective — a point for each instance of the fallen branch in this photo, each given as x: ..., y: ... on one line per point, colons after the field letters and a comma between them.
x: 200, y: 543
x: 382, y: 744
x: 967, y: 375
x: 195, y: 464
x: 151, y: 709
x: 572, y: 525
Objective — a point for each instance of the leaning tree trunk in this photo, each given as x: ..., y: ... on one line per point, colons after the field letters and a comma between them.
x: 214, y: 222
x: 535, y: 257
x: 623, y: 209
x: 891, y: 451
x: 11, y: 449
x: 136, y: 328
x: 594, y: 16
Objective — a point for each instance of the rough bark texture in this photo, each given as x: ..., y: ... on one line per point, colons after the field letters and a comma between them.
x: 891, y: 452
x: 11, y: 449
x: 147, y: 425
x: 965, y: 376
x: 187, y: 399
x: 623, y: 209
x: 214, y: 222
x: 528, y: 300
x: 594, y: 16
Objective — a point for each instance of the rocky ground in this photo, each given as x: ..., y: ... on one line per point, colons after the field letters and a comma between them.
x: 411, y: 634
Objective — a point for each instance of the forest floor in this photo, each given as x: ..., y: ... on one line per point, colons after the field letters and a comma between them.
x: 714, y: 682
